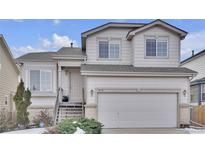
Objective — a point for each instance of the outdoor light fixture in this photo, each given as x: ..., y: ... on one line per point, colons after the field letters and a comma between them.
x: 184, y: 92
x: 91, y: 92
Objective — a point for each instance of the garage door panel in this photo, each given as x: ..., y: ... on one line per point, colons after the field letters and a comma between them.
x: 137, y: 110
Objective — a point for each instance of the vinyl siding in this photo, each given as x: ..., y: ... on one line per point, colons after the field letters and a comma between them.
x: 40, y: 98
x: 133, y: 52
x: 136, y: 82
x: 197, y: 65
x: 119, y: 33
x: 138, y: 45
x: 8, y: 78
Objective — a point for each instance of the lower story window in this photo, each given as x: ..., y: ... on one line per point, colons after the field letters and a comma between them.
x: 40, y: 80
x: 203, y: 92
x: 195, y: 94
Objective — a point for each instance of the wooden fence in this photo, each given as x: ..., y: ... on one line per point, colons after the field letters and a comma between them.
x: 198, y: 114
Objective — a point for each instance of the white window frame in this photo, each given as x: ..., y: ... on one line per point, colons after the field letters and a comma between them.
x: 109, y: 40
x: 157, y: 38
x: 197, y: 93
x: 202, y: 92
x: 51, y: 87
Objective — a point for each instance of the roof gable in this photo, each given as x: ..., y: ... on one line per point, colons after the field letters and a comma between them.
x: 111, y: 24
x: 157, y: 22
x: 3, y: 41
x: 85, y: 34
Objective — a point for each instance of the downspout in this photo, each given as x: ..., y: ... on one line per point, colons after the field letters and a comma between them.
x: 57, y: 76
x: 199, y: 94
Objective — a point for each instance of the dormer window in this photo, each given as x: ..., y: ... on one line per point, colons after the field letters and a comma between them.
x: 109, y: 49
x: 157, y: 47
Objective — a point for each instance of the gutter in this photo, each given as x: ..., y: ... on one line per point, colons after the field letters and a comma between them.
x: 155, y: 74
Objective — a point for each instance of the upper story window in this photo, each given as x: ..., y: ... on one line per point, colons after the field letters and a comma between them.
x: 109, y: 49
x: 41, y: 80
x: 156, y: 47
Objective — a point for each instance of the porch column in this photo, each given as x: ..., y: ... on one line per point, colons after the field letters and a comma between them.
x: 59, y: 77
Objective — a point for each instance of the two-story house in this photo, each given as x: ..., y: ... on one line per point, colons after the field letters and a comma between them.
x: 9, y: 77
x: 126, y: 75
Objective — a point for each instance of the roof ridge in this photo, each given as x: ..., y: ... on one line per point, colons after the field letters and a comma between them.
x: 105, y: 24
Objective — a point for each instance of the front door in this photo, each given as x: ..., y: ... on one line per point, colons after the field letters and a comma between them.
x: 75, y: 85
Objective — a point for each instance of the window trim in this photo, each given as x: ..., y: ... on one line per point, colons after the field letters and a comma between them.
x: 45, y: 70
x: 197, y: 94
x: 109, y: 40
x: 202, y: 92
x: 156, y: 37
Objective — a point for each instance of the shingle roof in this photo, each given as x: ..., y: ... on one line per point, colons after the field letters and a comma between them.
x: 130, y: 68
x: 198, y: 81
x: 201, y: 53
x: 161, y: 22
x: 70, y: 51
x: 116, y: 24
x: 48, y: 56
x: 36, y: 56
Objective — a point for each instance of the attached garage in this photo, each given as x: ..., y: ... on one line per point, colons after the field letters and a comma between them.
x: 138, y: 110
x: 123, y: 96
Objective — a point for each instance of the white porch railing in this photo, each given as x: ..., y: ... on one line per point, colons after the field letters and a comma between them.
x: 68, y: 109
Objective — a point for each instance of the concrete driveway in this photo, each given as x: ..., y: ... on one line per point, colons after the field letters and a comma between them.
x: 145, y: 131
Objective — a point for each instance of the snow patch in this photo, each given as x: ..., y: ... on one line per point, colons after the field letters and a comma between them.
x: 79, y: 131
x: 194, y: 131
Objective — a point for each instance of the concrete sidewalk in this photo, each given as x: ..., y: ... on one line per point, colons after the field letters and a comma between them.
x: 27, y: 131
x: 145, y: 131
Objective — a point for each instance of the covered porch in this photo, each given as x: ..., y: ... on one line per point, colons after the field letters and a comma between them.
x: 70, y: 91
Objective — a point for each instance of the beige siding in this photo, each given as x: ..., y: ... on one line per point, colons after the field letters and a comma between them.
x: 92, y: 46
x: 137, y: 82
x: 197, y: 65
x: 133, y: 52
x: 8, y: 78
x: 138, y: 44
x: 34, y: 111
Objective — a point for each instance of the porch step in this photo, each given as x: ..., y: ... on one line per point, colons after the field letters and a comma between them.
x: 69, y: 110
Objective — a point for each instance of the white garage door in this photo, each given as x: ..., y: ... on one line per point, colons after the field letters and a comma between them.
x: 137, y: 110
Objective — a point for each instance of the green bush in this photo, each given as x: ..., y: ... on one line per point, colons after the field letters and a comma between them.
x: 22, y: 101
x: 6, y: 122
x: 69, y: 126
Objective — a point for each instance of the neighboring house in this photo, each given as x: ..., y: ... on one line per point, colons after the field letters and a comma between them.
x: 197, y: 62
x: 9, y: 75
x: 126, y: 75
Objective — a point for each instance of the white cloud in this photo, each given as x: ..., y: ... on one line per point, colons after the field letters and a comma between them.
x: 56, y: 21
x: 45, y: 44
x: 18, y: 51
x: 58, y: 41
x: 193, y: 41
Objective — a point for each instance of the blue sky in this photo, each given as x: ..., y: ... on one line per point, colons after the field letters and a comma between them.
x: 25, y: 36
